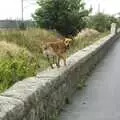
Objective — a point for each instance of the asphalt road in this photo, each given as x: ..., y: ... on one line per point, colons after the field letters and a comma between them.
x: 100, y: 99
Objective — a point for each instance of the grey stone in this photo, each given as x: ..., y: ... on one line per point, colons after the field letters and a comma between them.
x: 10, y: 108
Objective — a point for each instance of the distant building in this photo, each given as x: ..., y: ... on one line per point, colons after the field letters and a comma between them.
x: 117, y: 15
x: 6, y: 24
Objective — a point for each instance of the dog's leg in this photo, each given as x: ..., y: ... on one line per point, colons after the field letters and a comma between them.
x: 58, y: 62
x: 53, y: 59
x: 64, y: 59
x: 49, y: 62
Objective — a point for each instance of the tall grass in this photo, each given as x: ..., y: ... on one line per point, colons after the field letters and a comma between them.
x: 31, y: 38
x: 20, y: 53
x: 82, y: 42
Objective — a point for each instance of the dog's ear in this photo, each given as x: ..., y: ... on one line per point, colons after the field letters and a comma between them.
x: 64, y: 39
x: 72, y: 39
x: 68, y: 40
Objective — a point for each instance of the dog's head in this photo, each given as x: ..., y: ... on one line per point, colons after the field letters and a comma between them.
x: 67, y: 42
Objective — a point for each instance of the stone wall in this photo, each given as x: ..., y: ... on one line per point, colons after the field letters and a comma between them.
x: 43, y: 96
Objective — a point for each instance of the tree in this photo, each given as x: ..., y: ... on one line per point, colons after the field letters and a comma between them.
x: 101, y: 22
x: 66, y: 16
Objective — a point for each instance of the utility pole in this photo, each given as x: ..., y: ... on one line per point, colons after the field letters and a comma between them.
x: 22, y: 26
x: 99, y: 8
x: 22, y: 10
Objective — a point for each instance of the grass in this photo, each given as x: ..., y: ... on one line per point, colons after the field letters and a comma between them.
x: 20, y: 53
x: 81, y: 43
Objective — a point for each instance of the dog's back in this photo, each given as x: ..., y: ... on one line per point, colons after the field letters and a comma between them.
x: 58, y: 47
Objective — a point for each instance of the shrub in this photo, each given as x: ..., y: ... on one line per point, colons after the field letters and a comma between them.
x: 66, y: 16
x: 101, y: 22
x: 16, y: 63
x: 16, y: 68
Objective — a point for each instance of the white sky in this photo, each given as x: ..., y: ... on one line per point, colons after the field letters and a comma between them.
x: 106, y: 6
x: 11, y: 9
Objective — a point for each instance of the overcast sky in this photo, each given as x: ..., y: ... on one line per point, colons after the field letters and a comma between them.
x: 11, y: 9
x: 106, y: 6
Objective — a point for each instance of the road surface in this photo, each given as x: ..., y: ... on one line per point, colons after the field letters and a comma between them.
x: 100, y: 99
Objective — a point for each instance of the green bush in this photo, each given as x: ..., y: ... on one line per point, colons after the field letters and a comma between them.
x: 101, y: 22
x: 14, y: 69
x: 65, y: 16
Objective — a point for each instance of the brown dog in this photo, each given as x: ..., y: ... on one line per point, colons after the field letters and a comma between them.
x: 56, y: 50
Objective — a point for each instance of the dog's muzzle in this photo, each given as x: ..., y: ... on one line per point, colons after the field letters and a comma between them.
x: 68, y: 46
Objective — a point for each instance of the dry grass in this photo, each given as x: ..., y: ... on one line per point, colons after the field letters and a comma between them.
x: 85, y: 38
x: 11, y: 49
x: 87, y: 33
x: 31, y: 38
